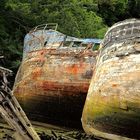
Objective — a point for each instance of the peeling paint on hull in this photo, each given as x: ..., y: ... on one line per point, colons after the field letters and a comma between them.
x: 52, y: 83
x: 112, y: 108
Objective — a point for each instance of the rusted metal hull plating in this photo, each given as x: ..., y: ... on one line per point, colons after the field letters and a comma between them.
x: 53, y: 80
x: 112, y: 108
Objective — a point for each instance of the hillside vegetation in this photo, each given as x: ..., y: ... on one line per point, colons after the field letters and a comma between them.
x: 79, y: 18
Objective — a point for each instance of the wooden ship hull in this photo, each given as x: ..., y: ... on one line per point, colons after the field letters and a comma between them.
x: 53, y: 80
x: 112, y: 107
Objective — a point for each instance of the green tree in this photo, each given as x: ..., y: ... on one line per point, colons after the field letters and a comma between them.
x: 113, y: 10
x: 133, y: 8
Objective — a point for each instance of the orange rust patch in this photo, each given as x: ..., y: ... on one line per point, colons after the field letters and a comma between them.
x: 42, y: 53
x: 74, y: 87
x: 114, y: 85
x: 72, y: 69
x: 75, y: 68
x: 36, y: 73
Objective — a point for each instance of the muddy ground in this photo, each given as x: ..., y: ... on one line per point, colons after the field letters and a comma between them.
x: 47, y: 132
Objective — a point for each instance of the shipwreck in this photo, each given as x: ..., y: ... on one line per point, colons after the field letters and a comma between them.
x: 53, y: 79
x: 112, y: 108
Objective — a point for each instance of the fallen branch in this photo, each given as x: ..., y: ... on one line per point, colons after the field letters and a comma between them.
x: 5, y: 70
x: 1, y: 57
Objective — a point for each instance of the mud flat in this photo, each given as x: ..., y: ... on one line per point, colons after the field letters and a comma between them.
x: 47, y: 132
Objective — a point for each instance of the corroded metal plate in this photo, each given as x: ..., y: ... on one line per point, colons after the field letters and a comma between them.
x: 54, y: 76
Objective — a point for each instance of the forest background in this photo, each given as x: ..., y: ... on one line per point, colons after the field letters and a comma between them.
x: 79, y: 18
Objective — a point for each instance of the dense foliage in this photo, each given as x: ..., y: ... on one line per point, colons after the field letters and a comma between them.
x: 80, y: 18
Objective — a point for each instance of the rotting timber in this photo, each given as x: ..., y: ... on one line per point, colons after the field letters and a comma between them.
x: 12, y: 113
x: 53, y: 79
x: 112, y: 107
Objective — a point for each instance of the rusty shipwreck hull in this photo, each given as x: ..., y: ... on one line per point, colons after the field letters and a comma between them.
x: 53, y: 79
x: 112, y: 108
